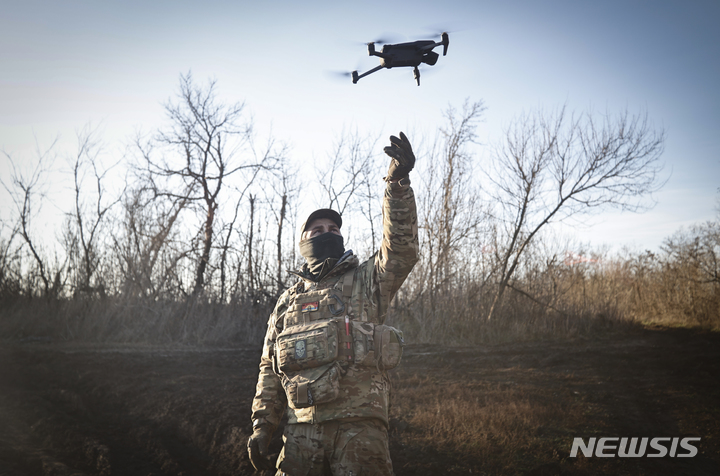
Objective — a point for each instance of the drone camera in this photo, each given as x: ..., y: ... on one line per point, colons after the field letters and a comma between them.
x: 430, y: 58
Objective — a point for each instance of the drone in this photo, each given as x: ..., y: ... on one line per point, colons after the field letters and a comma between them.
x: 405, y: 54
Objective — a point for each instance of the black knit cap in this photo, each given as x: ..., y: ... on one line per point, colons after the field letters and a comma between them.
x: 323, y: 213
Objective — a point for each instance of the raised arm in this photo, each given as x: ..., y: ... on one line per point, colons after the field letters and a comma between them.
x: 399, y: 249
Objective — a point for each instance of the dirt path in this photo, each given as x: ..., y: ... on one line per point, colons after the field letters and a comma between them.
x: 77, y: 410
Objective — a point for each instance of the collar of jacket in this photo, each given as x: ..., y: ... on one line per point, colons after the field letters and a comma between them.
x: 346, y: 262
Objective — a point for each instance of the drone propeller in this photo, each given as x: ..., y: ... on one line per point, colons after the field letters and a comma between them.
x: 339, y: 74
x: 436, y: 30
x: 385, y: 39
x: 342, y: 75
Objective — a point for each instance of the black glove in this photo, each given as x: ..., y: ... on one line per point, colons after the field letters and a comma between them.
x: 258, y: 444
x: 402, y: 155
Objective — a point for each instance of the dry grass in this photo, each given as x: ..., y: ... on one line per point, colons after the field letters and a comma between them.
x: 501, y: 427
x: 123, y: 321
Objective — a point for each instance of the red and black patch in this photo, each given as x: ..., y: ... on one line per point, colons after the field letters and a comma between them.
x: 310, y: 306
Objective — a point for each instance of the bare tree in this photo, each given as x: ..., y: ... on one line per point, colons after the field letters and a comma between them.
x: 450, y: 213
x: 194, y: 157
x: 27, y: 193
x: 280, y: 199
x: 551, y: 167
x: 343, y: 177
x: 10, y: 270
x: 455, y: 212
x: 225, y: 248
x: 143, y: 243
x: 88, y: 219
x: 370, y: 194
x: 275, y: 163
x: 697, y: 249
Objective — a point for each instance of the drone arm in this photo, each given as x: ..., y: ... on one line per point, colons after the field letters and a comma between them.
x: 445, y: 43
x: 434, y: 45
x: 373, y: 52
x: 357, y: 77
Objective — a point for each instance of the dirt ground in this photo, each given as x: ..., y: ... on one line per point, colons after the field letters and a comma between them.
x: 131, y: 410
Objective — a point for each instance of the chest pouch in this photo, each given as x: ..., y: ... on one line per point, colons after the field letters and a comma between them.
x: 313, y: 386
x: 307, y: 346
x: 314, y: 306
x: 377, y: 345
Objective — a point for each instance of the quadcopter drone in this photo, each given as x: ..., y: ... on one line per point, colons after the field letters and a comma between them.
x: 405, y: 54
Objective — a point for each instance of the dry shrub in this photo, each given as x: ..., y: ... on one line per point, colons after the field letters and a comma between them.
x: 556, y: 298
x: 458, y: 317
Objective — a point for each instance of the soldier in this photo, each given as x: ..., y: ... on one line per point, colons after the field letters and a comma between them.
x: 327, y: 350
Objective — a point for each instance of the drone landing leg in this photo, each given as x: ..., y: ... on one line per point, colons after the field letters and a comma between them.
x: 358, y: 77
x: 416, y: 75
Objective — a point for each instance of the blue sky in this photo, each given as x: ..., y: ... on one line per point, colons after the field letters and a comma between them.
x: 66, y: 63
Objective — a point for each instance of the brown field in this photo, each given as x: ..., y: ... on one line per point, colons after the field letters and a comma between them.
x: 69, y: 409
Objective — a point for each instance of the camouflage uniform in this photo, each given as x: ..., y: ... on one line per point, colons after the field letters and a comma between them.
x: 312, y: 433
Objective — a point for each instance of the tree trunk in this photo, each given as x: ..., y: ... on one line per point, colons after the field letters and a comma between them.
x: 251, y: 277
x: 280, y: 284
x: 207, y: 244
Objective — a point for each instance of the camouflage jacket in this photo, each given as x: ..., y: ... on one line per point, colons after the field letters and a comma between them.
x: 364, y: 391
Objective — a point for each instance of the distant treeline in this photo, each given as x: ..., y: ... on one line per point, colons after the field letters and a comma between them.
x: 197, y: 244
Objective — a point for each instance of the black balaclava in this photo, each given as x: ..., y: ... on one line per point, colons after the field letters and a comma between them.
x: 322, y: 253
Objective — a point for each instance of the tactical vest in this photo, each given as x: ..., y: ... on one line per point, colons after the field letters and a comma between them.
x: 321, y: 338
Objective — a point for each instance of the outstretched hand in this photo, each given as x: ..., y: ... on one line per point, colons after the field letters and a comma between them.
x: 403, y: 158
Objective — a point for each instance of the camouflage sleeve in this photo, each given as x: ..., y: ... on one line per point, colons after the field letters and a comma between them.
x: 270, y: 400
x: 399, y: 250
